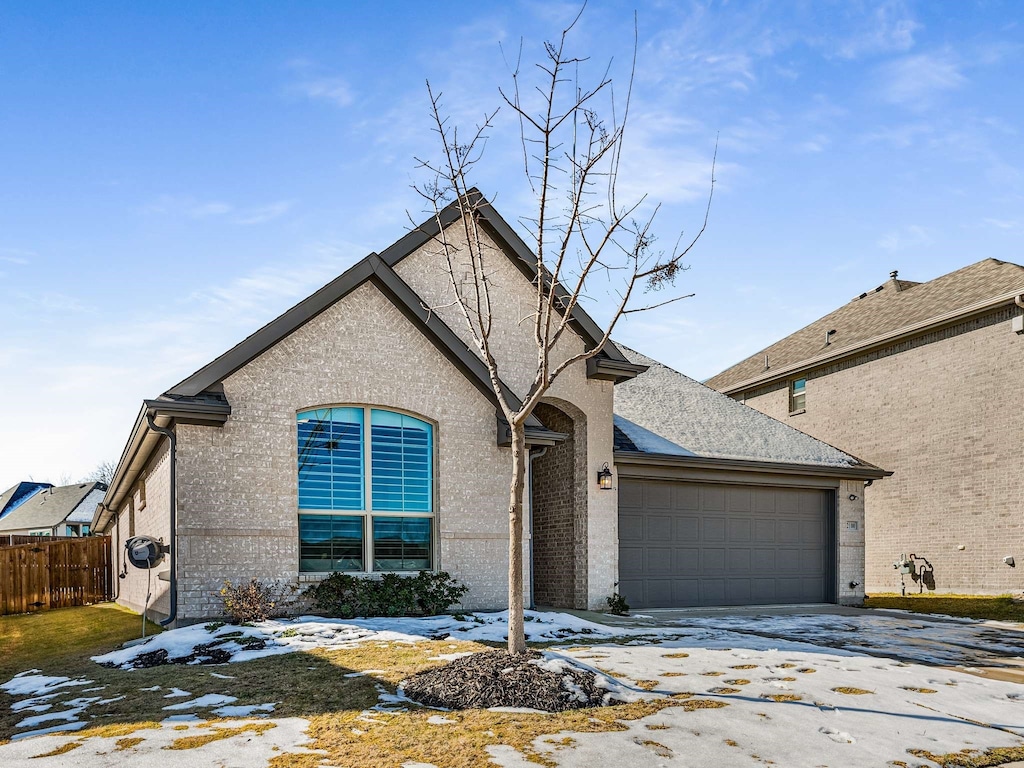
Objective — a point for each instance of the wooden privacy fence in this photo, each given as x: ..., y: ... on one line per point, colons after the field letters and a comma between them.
x: 54, y: 574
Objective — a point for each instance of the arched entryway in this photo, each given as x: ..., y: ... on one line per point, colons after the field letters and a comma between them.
x: 559, y: 510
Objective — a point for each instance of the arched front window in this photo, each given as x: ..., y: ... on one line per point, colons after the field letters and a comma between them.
x: 366, y: 496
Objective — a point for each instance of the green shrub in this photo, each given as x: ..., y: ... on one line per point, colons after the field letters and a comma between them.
x: 344, y: 596
x: 253, y: 601
x: 617, y: 605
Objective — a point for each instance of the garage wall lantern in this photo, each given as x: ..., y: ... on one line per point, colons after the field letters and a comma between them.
x: 604, y: 478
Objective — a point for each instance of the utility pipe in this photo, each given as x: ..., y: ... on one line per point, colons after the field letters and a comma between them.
x: 172, y: 546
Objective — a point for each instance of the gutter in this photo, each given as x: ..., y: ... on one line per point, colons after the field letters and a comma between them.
x: 172, y: 545
x: 885, y: 339
x: 635, y: 458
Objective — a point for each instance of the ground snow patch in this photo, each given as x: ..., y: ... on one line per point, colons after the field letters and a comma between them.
x: 209, y: 700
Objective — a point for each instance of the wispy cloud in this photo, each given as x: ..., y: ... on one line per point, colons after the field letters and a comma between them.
x: 265, y: 213
x: 17, y: 256
x: 1002, y: 223
x: 193, y: 208
x: 916, y: 81
x: 890, y: 28
x: 171, y: 205
x: 910, y: 236
x: 312, y: 83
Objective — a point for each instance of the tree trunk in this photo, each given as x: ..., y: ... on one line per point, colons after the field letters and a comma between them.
x: 516, y: 630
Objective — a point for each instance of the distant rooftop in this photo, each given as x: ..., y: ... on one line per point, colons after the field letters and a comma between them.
x: 51, y: 506
x: 892, y: 305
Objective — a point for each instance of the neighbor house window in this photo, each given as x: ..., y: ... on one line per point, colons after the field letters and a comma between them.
x: 797, y: 395
x: 365, y: 490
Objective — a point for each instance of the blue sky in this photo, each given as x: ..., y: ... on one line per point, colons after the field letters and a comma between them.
x: 174, y: 175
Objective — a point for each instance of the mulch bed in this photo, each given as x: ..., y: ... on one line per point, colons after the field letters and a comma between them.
x: 500, y: 679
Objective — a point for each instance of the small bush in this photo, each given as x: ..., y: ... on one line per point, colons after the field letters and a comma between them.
x: 617, y: 605
x: 254, y: 601
x: 426, y: 594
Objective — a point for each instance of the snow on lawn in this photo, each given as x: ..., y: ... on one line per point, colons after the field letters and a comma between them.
x: 828, y: 709
x: 146, y: 748
x: 203, y: 642
x: 836, y: 690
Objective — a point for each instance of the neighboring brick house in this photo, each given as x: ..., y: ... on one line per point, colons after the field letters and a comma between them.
x: 926, y: 380
x: 358, y: 432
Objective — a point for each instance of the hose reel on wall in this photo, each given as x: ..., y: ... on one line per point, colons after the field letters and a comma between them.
x: 145, y: 553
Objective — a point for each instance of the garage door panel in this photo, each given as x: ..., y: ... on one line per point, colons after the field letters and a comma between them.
x: 658, y: 528
x: 687, y: 529
x: 631, y: 562
x: 687, y: 497
x: 714, y: 528
x: 686, y: 560
x: 739, y: 561
x: 737, y: 591
x: 712, y: 592
x: 738, y: 499
x: 712, y: 560
x: 659, y: 591
x: 631, y: 527
x: 659, y: 561
x: 692, y: 544
x: 712, y: 498
x: 658, y: 496
x: 686, y: 592
x: 763, y: 561
x: 764, y: 531
x: 739, y: 528
x: 811, y: 532
x: 787, y: 531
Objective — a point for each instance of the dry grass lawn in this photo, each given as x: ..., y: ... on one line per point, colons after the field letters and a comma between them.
x: 319, y: 686
x: 998, y: 608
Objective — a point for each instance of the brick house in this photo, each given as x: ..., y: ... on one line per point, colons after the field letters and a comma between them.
x: 923, y: 379
x: 358, y: 432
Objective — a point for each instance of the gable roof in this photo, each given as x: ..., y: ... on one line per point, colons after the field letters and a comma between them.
x: 895, y: 308
x: 50, y: 507
x: 378, y: 269
x: 664, y: 413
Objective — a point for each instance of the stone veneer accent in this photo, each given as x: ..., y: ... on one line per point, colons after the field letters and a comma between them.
x: 943, y: 411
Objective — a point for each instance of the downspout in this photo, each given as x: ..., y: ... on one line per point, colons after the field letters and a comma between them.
x: 529, y: 519
x: 172, y: 545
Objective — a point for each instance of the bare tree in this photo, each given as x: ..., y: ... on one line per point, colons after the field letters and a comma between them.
x: 102, y: 473
x: 581, y: 234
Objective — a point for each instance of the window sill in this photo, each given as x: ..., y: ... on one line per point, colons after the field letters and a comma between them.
x: 797, y: 413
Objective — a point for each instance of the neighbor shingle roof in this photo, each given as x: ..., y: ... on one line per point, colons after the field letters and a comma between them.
x: 664, y: 412
x: 47, y: 508
x: 893, y: 305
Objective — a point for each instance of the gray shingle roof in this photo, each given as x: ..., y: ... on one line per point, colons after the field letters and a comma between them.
x: 662, y: 411
x: 48, y: 508
x: 893, y: 305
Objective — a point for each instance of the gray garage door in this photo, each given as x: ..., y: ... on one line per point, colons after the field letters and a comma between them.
x: 692, y: 544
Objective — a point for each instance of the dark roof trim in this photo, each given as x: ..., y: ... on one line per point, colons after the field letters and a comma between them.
x: 612, y: 370
x: 535, y: 435
x: 886, y: 339
x: 518, y: 251
x: 189, y: 411
x: 862, y: 472
x: 271, y: 333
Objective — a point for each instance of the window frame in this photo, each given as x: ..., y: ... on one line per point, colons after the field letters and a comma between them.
x: 368, y: 514
x: 795, y: 409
